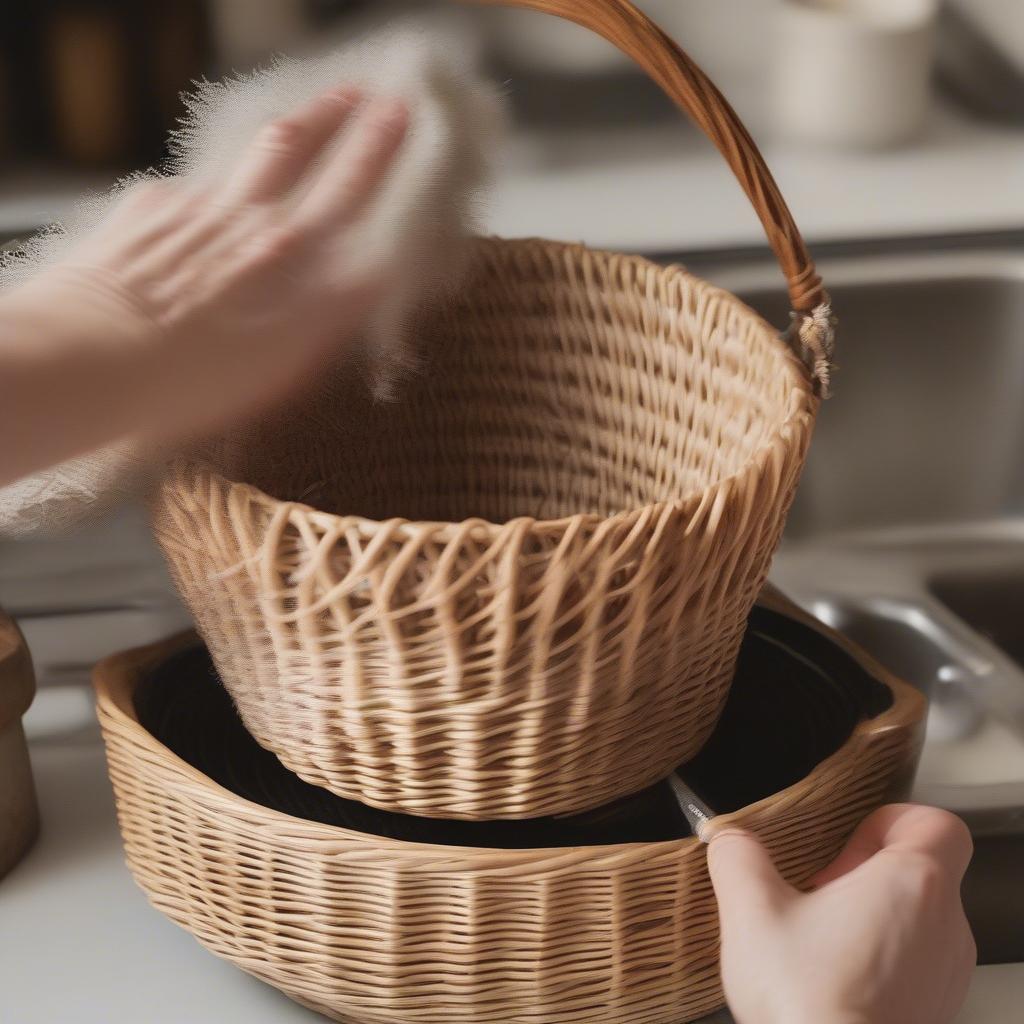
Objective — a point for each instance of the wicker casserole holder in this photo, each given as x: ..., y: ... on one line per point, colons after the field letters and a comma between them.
x: 631, y: 439
x: 378, y: 931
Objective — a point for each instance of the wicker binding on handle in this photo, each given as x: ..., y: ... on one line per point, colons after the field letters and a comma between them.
x: 591, y: 478
x: 376, y: 931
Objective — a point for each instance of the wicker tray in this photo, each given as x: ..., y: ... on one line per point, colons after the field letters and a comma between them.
x: 439, y: 926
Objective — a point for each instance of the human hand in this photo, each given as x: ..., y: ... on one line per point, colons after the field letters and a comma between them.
x: 882, y: 939
x: 207, y: 303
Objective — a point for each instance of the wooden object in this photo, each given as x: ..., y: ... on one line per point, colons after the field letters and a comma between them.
x: 19, y: 812
x: 372, y: 930
x: 546, y: 551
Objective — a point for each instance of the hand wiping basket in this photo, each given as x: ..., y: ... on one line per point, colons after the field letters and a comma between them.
x: 520, y: 591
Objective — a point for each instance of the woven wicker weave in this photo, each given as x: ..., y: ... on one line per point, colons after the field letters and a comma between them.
x: 521, y: 589
x: 374, y: 931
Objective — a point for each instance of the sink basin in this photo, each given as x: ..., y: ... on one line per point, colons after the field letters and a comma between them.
x: 908, y: 531
x: 927, y: 423
x: 990, y: 602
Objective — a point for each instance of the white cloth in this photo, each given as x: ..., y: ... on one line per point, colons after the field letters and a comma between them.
x: 419, y: 225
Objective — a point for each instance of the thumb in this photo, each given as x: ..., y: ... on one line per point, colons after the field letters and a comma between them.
x: 745, y: 878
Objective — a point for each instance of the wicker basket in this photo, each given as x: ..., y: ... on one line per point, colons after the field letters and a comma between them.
x: 521, y: 589
x: 373, y: 930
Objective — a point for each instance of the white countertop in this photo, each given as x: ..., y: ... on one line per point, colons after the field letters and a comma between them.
x: 80, y: 945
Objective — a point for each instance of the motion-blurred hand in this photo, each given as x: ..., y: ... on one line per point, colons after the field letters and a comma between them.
x: 881, y: 940
x: 196, y: 306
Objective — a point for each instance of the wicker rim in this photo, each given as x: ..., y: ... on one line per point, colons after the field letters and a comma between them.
x: 802, y: 403
x: 114, y: 687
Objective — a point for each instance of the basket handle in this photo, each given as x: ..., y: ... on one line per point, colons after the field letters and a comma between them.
x: 812, y: 331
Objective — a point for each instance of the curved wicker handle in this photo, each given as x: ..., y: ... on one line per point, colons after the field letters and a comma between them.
x: 636, y: 35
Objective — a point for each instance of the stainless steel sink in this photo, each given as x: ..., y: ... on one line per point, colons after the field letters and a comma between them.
x: 927, y: 424
x: 908, y: 533
x: 990, y: 602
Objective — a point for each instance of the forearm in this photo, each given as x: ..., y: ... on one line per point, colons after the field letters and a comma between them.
x: 191, y: 307
x: 73, y: 376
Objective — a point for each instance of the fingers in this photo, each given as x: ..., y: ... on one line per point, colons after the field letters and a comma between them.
x: 284, y: 150
x: 353, y: 173
x: 144, y: 213
x: 930, y: 831
x: 744, y: 877
x: 923, y: 830
x: 862, y: 846
x: 961, y: 973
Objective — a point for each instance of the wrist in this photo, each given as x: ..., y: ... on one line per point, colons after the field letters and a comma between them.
x: 77, y: 312
x: 74, y: 364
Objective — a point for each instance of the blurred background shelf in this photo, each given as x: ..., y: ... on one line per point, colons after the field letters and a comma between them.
x: 595, y: 148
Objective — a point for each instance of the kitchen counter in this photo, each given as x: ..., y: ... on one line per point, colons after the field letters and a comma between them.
x: 79, y: 943
x: 665, y: 189
x: 661, y: 187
